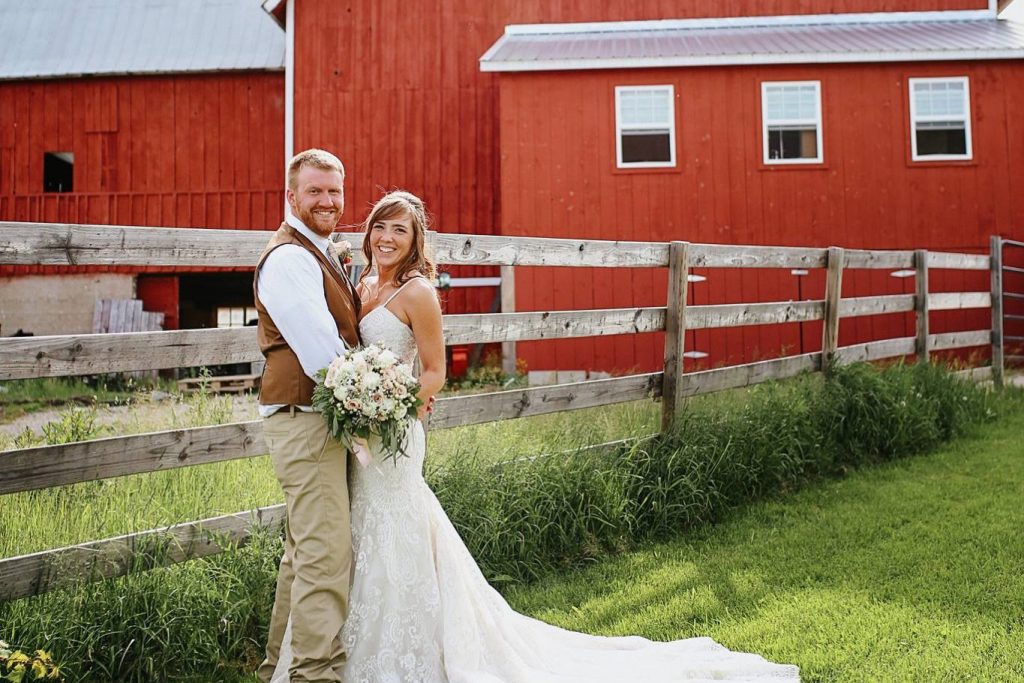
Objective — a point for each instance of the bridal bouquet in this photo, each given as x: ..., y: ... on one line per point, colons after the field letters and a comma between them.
x: 368, y: 391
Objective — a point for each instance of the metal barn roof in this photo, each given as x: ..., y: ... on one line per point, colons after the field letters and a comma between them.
x: 57, y: 38
x: 700, y: 43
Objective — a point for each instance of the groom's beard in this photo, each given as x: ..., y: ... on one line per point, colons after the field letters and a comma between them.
x: 320, y: 221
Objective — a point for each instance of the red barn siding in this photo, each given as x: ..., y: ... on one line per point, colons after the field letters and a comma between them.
x: 558, y: 178
x: 177, y: 150
x: 395, y: 89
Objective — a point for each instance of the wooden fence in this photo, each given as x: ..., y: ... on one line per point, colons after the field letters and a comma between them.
x: 58, y: 244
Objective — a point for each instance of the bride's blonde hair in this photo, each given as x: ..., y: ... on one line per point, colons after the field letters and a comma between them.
x: 419, y: 258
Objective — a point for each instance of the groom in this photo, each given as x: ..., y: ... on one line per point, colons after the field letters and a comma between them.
x: 308, y: 313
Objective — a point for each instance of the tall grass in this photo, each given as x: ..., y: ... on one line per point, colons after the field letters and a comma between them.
x: 206, y: 620
x: 536, y: 516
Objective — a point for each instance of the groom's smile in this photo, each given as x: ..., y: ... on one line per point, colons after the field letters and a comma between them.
x: 318, y: 199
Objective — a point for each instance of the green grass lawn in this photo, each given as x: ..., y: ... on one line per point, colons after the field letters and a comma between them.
x: 908, y: 571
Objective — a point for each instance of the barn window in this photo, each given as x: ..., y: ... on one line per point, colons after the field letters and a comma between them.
x: 645, y: 126
x: 235, y: 316
x: 940, y: 119
x: 791, y: 122
x: 58, y: 171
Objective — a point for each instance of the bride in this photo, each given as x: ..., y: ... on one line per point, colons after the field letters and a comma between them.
x: 420, y: 609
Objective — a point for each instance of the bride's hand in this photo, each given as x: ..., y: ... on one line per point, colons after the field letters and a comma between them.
x: 425, y: 409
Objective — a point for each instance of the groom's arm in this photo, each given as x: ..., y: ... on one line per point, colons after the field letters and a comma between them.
x: 291, y: 288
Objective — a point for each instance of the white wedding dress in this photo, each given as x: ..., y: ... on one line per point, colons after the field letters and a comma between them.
x: 422, y: 612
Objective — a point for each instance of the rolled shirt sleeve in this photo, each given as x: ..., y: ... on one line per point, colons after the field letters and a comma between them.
x: 290, y: 286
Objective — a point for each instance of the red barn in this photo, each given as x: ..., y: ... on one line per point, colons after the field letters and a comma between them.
x: 164, y: 113
x: 861, y: 123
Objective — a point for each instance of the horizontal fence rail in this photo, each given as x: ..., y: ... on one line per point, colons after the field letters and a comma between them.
x: 28, y: 575
x: 58, y: 244
x: 91, y: 354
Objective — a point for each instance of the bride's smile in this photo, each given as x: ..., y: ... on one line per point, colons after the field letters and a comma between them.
x: 391, y: 241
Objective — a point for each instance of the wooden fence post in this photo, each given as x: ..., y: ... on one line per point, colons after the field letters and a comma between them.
x: 996, y: 270
x: 508, y: 305
x: 833, y: 294
x: 922, y: 343
x: 675, y: 331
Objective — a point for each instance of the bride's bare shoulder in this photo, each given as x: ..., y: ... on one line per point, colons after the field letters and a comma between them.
x: 422, y: 293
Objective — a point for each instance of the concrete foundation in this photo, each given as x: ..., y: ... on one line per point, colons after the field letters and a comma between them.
x: 57, y: 304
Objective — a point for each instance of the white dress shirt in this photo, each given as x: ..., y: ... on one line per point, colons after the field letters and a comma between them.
x: 290, y: 286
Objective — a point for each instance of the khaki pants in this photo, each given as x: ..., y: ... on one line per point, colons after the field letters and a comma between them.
x: 313, y: 583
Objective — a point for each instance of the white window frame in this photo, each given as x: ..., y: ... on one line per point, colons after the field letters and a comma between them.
x: 620, y: 127
x: 915, y: 119
x: 245, y: 317
x: 818, y: 124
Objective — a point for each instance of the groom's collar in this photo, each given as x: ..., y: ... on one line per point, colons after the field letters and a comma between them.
x: 317, y: 240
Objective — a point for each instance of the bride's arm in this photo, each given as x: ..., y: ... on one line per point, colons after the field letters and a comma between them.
x: 425, y: 320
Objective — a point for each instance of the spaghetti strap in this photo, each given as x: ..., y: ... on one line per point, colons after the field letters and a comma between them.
x: 399, y: 290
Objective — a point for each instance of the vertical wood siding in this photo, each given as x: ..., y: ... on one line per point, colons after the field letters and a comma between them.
x: 180, y: 151
x: 558, y: 178
x: 394, y: 88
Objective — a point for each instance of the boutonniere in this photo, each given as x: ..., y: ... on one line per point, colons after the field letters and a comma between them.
x: 341, y: 251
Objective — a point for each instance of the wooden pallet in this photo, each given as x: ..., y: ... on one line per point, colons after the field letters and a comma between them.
x: 228, y: 384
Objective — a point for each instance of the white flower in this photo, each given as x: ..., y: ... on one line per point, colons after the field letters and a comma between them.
x: 341, y: 392
x: 370, y: 381
x: 333, y: 372
x: 387, y: 357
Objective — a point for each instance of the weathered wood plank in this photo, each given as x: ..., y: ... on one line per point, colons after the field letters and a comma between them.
x: 996, y: 290
x: 863, y: 258
x: 955, y: 261
x: 922, y: 305
x: 708, y: 381
x: 874, y: 305
x: 976, y: 374
x: 28, y: 469
x: 457, y: 411
x: 492, y: 250
x: 500, y: 327
x: 41, y: 572
x: 89, y: 354
x: 79, y: 244
x: 736, y: 315
x: 737, y: 256
x: 508, y: 305
x: 833, y: 295
x: 947, y: 301
x: 876, y: 350
x: 959, y: 340
x: 675, y: 332
x: 71, y: 244
x: 65, y: 355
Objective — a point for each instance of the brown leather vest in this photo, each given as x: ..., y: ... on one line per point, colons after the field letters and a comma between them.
x: 283, y: 378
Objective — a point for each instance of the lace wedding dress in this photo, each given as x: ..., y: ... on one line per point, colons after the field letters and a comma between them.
x: 422, y: 612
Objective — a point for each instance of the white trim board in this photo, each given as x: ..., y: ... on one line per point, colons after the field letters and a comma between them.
x: 752, y: 22
x: 818, y: 124
x: 755, y: 60
x: 289, y: 91
x: 669, y: 124
x: 916, y: 118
